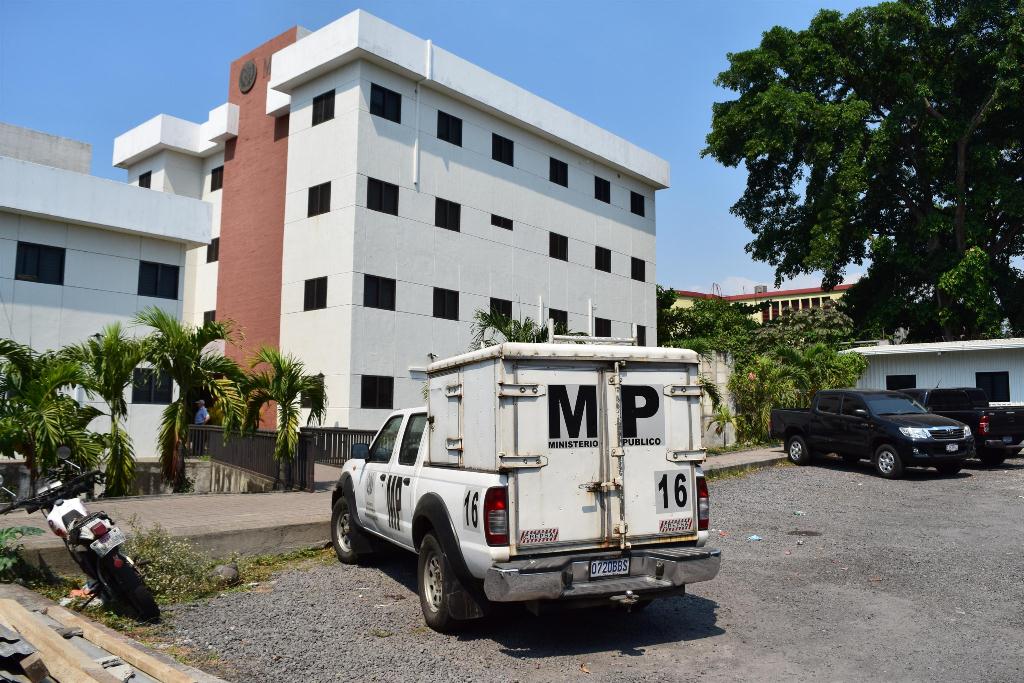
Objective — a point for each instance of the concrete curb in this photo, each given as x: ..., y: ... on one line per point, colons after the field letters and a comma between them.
x: 750, y: 464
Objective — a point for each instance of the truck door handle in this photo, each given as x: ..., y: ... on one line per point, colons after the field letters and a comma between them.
x: 382, y: 477
x: 406, y: 481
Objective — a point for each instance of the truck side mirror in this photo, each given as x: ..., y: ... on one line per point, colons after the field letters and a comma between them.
x: 360, y: 451
x: 861, y: 413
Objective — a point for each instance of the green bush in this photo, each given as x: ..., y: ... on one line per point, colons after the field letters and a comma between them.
x: 173, y: 568
x: 10, y: 546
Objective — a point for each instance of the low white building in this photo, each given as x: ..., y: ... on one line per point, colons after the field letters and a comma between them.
x: 78, y: 252
x: 995, y: 365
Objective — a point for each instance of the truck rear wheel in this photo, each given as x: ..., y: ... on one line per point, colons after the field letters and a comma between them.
x: 888, y: 462
x: 342, y: 531
x: 434, y: 574
x: 798, y: 451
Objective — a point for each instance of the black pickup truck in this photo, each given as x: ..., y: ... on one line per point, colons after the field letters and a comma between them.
x: 888, y: 427
x: 998, y: 430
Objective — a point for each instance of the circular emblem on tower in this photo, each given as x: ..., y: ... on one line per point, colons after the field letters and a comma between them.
x: 247, y: 76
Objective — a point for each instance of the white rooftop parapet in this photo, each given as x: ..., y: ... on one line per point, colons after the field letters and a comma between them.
x: 359, y: 35
x: 169, y: 132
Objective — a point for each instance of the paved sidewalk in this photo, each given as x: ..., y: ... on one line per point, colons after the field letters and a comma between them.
x: 739, y: 461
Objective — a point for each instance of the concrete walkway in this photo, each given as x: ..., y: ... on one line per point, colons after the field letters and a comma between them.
x: 257, y: 523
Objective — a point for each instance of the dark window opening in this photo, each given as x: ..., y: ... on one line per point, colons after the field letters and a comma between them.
x: 996, y: 385
x: 209, y: 316
x: 150, y: 386
x: 158, y: 279
x: 446, y: 214
x: 501, y: 307
x: 900, y: 382
x: 377, y: 392
x: 378, y: 292
x: 502, y: 149
x: 381, y: 196
x: 559, y: 172
x: 636, y: 203
x: 323, y: 107
x: 304, y: 399
x: 213, y: 250
x: 39, y: 263
x: 602, y: 327
x: 446, y: 304
x: 385, y: 103
x: 558, y: 246
x: 560, y: 317
x: 315, y: 294
x: 641, y: 335
x: 319, y: 199
x: 501, y: 221
x: 216, y: 179
x: 449, y: 128
x: 146, y: 179
x: 603, y: 259
x: 637, y: 269
x: 602, y: 190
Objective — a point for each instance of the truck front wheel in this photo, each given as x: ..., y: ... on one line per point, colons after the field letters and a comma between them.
x: 434, y: 574
x: 991, y: 458
x: 888, y: 462
x: 797, y: 450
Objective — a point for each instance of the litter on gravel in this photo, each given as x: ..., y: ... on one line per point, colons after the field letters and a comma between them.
x: 754, y: 537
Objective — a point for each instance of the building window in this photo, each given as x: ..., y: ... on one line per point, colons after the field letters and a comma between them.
x: 319, y: 199
x: 209, y: 317
x: 146, y: 179
x: 316, y: 294
x: 765, y: 313
x: 377, y: 392
x: 381, y: 196
x: 502, y: 149
x: 378, y: 292
x: 602, y: 190
x: 501, y: 221
x: 446, y: 304
x: 641, y: 335
x: 158, y: 279
x: 559, y: 172
x: 900, y: 382
x: 449, y: 128
x: 560, y: 317
x: 603, y: 259
x: 213, y: 250
x: 150, y: 386
x: 501, y: 307
x: 323, y: 107
x: 558, y: 246
x: 446, y: 214
x: 385, y: 103
x: 637, y: 269
x: 602, y: 327
x: 305, y: 401
x: 39, y: 263
x: 775, y: 310
x: 216, y: 179
x: 636, y: 203
x: 996, y: 385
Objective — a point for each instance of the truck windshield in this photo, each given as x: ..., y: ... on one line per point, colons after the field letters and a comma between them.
x: 893, y: 405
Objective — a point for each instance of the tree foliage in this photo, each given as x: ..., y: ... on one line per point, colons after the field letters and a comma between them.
x: 712, y: 324
x: 799, y: 329
x: 490, y: 328
x: 893, y: 134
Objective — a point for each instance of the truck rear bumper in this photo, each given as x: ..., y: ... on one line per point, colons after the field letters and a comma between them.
x: 654, y: 570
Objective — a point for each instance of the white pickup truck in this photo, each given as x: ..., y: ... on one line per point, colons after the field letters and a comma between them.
x: 538, y: 473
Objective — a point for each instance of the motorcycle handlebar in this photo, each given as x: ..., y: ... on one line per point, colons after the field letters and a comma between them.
x: 73, y: 487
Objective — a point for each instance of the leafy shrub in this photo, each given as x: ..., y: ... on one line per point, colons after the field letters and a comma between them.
x: 10, y: 546
x: 174, y: 569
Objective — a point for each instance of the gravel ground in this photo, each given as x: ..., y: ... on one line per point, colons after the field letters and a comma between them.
x: 918, y: 579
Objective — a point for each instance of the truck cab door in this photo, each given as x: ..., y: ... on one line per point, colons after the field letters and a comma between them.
x: 400, y: 483
x: 369, y: 484
x: 855, y: 436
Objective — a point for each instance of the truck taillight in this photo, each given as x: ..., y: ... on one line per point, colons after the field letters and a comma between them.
x: 703, y: 504
x: 983, y: 425
x: 496, y: 516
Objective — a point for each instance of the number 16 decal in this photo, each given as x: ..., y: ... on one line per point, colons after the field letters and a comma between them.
x: 471, y: 509
x: 670, y: 491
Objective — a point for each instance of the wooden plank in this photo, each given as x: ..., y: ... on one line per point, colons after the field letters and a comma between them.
x: 34, y: 668
x: 117, y: 644
x: 66, y: 662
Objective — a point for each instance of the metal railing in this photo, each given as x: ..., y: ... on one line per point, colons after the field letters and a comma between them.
x: 332, y: 445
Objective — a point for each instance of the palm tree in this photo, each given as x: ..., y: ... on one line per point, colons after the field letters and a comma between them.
x: 185, y: 354
x: 721, y: 418
x: 37, y: 415
x: 110, y: 359
x: 490, y: 328
x: 281, y: 379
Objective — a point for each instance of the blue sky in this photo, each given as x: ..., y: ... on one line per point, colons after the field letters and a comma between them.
x: 643, y: 70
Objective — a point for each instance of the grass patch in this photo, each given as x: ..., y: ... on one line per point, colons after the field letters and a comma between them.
x: 723, y: 475
x: 746, y: 446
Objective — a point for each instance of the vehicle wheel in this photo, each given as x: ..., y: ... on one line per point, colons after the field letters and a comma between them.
x: 850, y: 458
x: 949, y: 470
x: 128, y: 587
x: 434, y: 572
x: 888, y: 462
x: 991, y: 459
x: 797, y: 450
x: 342, y: 531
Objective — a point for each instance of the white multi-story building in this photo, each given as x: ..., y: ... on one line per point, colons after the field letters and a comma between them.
x: 79, y: 252
x: 379, y: 190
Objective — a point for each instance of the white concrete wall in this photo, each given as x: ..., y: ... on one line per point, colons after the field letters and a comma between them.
x: 947, y: 370
x: 347, y: 340
x: 42, y: 148
x: 200, y: 276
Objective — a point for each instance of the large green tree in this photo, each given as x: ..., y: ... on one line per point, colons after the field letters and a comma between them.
x: 893, y: 134
x: 708, y: 325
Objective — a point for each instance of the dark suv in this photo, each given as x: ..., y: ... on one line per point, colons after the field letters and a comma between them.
x: 888, y: 427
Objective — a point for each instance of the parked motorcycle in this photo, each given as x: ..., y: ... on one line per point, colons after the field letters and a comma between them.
x: 93, y: 539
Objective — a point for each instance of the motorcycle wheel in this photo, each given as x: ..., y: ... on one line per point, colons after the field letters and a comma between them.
x: 128, y: 587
